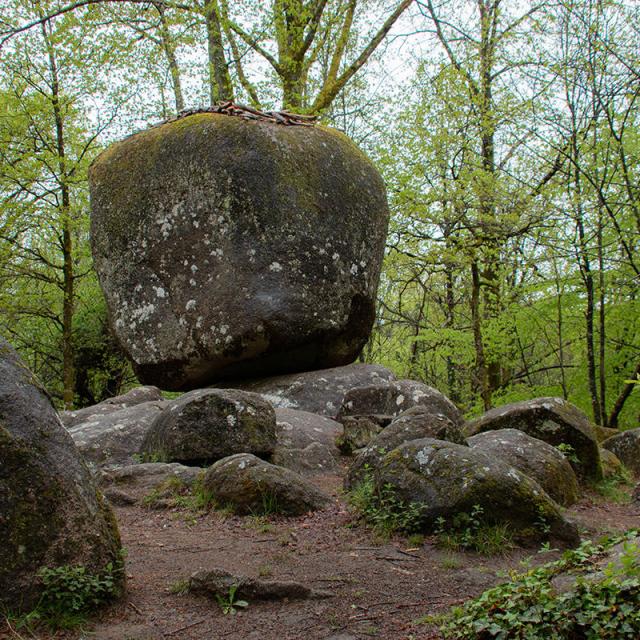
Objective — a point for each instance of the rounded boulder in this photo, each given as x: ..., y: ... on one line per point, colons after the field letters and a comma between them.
x: 535, y: 458
x: 51, y: 513
x: 626, y: 446
x: 552, y: 420
x: 252, y: 486
x: 446, y: 479
x: 231, y: 248
x: 206, y: 425
x: 413, y: 424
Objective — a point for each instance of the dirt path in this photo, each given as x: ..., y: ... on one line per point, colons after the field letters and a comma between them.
x: 378, y: 590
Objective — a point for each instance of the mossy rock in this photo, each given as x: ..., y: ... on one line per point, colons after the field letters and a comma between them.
x: 203, y: 426
x: 535, y: 458
x: 51, y: 513
x: 228, y: 248
x: 447, y: 479
x: 626, y: 446
x: 553, y: 420
x: 252, y: 486
x: 412, y: 424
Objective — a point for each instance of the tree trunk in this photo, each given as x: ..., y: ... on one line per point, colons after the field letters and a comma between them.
x: 68, y: 301
x: 481, y: 367
x: 587, y: 278
x: 601, y: 326
x: 487, y: 195
x: 622, y: 398
x: 452, y: 378
x: 220, y: 85
x: 170, y: 52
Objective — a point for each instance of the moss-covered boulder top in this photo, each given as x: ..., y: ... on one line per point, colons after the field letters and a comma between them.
x: 230, y: 248
x: 552, y: 420
x: 50, y: 511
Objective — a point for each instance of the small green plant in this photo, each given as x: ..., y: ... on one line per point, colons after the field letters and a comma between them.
x: 606, y: 606
x: 450, y: 562
x: 69, y: 595
x: 568, y: 452
x: 260, y: 523
x: 179, y: 587
x: 380, y: 507
x: 469, y: 532
x: 268, y: 505
x: 615, y: 487
x: 175, y: 493
x: 229, y: 603
x: 541, y: 523
x: 265, y: 570
x: 141, y: 458
x: 415, y: 540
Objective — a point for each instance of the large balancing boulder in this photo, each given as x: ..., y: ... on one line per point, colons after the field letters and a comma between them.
x: 535, y: 458
x: 231, y: 248
x: 51, y: 513
x: 447, y: 479
x: 552, y: 420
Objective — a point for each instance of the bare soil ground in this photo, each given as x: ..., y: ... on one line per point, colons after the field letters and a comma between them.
x: 378, y: 589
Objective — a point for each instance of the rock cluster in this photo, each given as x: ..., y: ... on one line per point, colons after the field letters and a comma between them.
x: 265, y: 460
x: 229, y: 248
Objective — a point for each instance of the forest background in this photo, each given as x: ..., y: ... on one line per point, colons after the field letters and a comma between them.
x: 507, y: 131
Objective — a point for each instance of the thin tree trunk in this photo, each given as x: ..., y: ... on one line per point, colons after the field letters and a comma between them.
x: 601, y: 326
x: 416, y: 331
x: 559, y: 311
x: 220, y: 85
x: 68, y: 301
x: 481, y: 367
x: 487, y: 188
x: 622, y: 398
x: 170, y: 52
x: 452, y: 381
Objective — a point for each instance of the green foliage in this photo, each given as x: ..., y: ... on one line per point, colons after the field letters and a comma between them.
x: 469, y: 532
x: 141, y: 458
x: 380, y: 508
x: 179, y: 587
x: 568, y: 452
x: 615, y: 488
x: 174, y: 493
x: 229, y: 603
x: 268, y: 505
x: 70, y: 595
x: 529, y: 607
